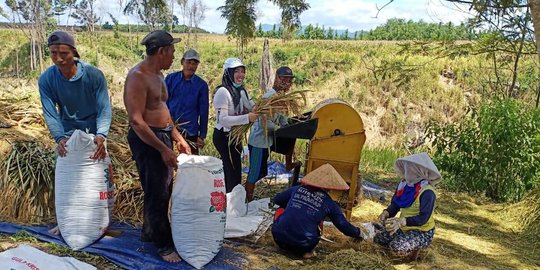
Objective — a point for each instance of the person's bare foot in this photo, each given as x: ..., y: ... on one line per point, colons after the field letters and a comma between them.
x: 113, y: 233
x: 171, y: 256
x: 309, y: 255
x: 55, y: 231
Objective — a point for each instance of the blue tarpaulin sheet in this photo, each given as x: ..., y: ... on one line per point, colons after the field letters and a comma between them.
x: 275, y: 168
x: 370, y: 189
x: 127, y: 251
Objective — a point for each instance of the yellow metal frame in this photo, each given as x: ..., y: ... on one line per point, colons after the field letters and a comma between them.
x: 338, y: 141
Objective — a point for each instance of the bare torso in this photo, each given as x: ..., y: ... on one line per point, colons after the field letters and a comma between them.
x: 155, y: 112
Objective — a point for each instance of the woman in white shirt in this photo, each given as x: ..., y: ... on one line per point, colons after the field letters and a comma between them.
x: 233, y: 107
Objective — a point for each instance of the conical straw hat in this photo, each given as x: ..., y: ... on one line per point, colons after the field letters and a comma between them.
x: 325, y: 177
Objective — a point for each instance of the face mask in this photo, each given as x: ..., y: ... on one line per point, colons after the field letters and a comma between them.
x: 236, y: 85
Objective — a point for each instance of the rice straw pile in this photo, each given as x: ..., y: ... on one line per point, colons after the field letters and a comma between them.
x: 26, y: 182
x: 527, y: 213
x: 129, y: 196
x: 290, y: 103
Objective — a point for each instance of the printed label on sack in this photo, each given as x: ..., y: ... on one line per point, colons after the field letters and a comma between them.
x: 218, y: 171
x: 218, y: 200
x: 105, y: 195
x: 25, y: 262
x: 219, y: 183
x: 108, y: 177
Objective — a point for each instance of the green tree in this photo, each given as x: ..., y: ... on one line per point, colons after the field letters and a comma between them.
x: 290, y: 16
x: 154, y: 13
x: 308, y: 32
x: 273, y: 33
x: 33, y: 18
x: 260, y: 32
x: 59, y: 8
x: 241, y: 17
x: 85, y: 14
x: 330, y: 34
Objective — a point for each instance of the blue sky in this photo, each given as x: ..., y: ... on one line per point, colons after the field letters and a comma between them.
x: 338, y: 14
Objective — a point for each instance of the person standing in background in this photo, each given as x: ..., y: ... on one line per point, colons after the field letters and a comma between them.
x: 233, y: 107
x: 188, y: 101
x: 261, y: 138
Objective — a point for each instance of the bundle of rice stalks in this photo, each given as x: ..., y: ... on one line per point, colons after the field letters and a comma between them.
x: 128, y: 203
x: 21, y: 109
x: 527, y: 212
x: 26, y: 182
x: 128, y: 206
x: 290, y: 103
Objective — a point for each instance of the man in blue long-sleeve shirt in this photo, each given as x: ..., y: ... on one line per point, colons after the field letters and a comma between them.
x: 188, y: 101
x: 74, y: 96
x: 296, y: 228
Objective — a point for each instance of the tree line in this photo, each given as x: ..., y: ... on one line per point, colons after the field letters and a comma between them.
x: 393, y: 29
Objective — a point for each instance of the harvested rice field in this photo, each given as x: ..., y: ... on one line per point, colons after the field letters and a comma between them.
x: 472, y: 232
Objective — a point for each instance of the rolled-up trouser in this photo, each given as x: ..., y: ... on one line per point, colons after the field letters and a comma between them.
x: 156, y: 181
x: 231, y: 158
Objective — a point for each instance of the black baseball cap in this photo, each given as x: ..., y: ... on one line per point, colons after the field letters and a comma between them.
x: 284, y: 72
x: 62, y: 38
x: 158, y: 39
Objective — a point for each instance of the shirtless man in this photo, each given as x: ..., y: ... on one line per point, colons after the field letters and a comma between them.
x: 150, y: 137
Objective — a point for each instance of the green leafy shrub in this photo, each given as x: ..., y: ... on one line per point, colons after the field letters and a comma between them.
x: 495, y: 150
x: 280, y: 56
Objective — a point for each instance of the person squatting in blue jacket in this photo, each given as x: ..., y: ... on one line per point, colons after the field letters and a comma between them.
x: 415, y: 198
x: 304, y: 207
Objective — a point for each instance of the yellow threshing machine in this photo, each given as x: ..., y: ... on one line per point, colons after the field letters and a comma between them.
x: 337, y: 136
x: 339, y: 140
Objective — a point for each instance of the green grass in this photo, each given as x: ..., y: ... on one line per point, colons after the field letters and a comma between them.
x: 369, y: 75
x: 22, y: 236
x: 377, y: 165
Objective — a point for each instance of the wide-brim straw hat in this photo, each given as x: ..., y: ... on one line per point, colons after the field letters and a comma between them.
x: 325, y: 177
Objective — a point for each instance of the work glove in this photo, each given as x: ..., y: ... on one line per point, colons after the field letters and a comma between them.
x: 393, y: 224
x: 362, y: 236
x: 384, y: 215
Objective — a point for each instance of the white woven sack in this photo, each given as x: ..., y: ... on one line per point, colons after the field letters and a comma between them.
x: 26, y: 257
x: 236, y: 202
x: 198, y: 209
x: 84, y: 192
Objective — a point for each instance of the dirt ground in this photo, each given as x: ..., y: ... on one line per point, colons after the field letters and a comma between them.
x: 471, y: 233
